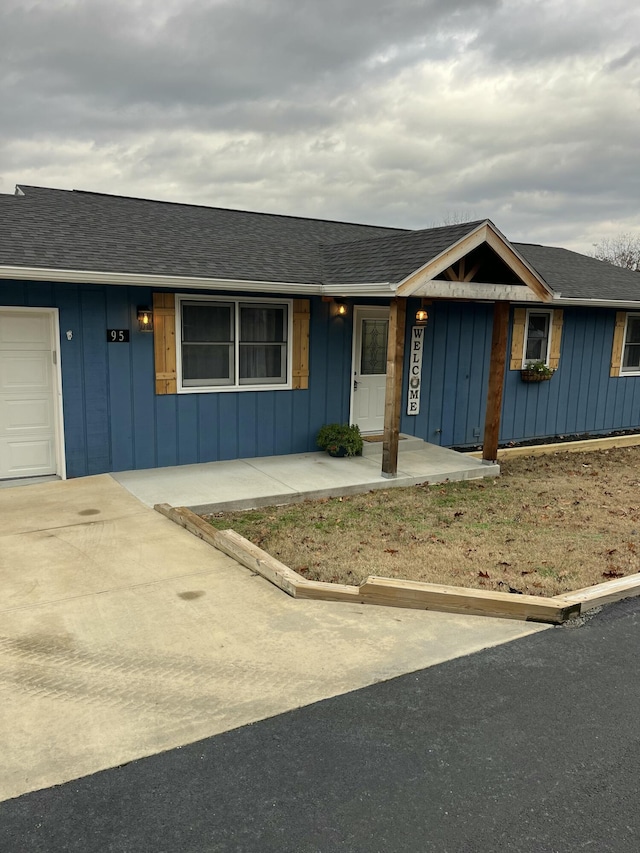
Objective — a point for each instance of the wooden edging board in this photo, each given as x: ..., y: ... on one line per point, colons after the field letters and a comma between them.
x: 393, y: 592
x: 586, y: 444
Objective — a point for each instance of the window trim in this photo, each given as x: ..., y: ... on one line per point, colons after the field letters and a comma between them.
x: 635, y: 371
x: 549, y: 313
x: 236, y: 301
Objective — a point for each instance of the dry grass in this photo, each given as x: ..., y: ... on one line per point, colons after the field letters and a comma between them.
x: 549, y: 524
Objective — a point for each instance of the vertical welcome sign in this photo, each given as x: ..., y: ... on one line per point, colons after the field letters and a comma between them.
x: 415, y: 370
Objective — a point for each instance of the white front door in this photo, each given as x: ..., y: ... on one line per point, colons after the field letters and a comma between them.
x: 371, y: 329
x: 27, y: 394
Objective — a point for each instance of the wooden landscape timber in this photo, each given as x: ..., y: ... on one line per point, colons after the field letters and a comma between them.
x: 604, y: 593
x: 605, y: 443
x: 392, y: 592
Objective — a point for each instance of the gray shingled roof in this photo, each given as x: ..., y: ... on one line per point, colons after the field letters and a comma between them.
x: 389, y: 258
x: 576, y: 276
x: 62, y: 229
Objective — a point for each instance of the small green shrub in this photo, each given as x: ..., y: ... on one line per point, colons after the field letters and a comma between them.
x: 340, y: 439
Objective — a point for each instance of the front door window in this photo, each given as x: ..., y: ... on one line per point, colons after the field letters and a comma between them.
x: 373, y: 356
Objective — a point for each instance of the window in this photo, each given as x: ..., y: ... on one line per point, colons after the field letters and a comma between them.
x: 228, y: 344
x: 537, y: 337
x: 631, y: 347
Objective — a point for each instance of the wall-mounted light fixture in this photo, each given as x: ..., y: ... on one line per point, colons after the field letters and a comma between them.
x: 421, y: 317
x: 337, y: 307
x: 145, y: 319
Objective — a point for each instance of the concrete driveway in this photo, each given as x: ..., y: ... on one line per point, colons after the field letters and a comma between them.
x: 122, y: 635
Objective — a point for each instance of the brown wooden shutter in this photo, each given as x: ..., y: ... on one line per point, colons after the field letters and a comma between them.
x: 300, y: 350
x: 618, y: 342
x: 556, y: 338
x: 517, y: 338
x: 164, y: 342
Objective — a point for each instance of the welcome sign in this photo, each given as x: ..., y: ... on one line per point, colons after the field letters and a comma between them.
x: 415, y: 370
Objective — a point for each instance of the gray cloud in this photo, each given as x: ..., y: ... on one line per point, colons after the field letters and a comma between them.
x: 527, y: 111
x: 212, y: 53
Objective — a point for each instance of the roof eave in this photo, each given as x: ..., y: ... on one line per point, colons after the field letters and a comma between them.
x: 148, y: 280
x: 581, y: 302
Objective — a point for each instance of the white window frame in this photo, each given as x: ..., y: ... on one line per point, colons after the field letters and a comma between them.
x: 627, y: 372
x: 236, y: 301
x: 549, y: 312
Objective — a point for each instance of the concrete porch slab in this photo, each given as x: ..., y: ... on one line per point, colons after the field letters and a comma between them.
x: 246, y: 483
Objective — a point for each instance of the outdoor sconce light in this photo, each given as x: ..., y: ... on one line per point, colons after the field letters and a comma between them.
x: 421, y: 317
x: 145, y: 320
x: 337, y: 307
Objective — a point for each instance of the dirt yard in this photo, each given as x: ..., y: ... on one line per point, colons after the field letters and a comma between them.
x: 547, y: 525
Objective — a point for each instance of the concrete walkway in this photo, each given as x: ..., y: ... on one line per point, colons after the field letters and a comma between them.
x: 245, y: 483
x: 123, y: 635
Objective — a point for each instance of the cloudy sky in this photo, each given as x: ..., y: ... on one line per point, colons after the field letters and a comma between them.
x: 396, y: 112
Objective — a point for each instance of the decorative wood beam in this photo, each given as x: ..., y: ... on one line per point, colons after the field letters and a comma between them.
x: 469, y: 276
x: 393, y: 394
x: 496, y: 381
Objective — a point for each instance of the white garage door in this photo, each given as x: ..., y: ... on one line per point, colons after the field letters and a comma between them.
x: 27, y: 395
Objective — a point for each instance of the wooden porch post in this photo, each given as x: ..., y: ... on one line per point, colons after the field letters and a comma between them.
x: 496, y: 380
x: 393, y: 392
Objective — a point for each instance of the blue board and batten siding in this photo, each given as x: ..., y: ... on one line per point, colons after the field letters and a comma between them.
x: 114, y: 421
x: 580, y: 398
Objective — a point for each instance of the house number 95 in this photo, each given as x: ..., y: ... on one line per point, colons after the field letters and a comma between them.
x: 118, y: 336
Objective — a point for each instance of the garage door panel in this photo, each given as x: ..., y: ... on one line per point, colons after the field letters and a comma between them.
x: 25, y: 331
x: 25, y: 371
x: 32, y: 415
x: 26, y: 458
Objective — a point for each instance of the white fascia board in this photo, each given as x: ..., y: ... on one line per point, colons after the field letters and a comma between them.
x: 597, y: 303
x: 137, y: 280
x: 376, y: 288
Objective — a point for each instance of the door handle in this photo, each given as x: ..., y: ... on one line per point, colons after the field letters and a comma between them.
x: 355, y: 384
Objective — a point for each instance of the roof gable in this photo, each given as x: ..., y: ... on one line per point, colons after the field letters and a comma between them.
x: 423, y: 282
x: 420, y: 263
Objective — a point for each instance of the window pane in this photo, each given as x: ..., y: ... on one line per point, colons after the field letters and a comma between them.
x: 207, y: 322
x: 373, y: 355
x: 262, y: 363
x: 537, y: 337
x: 260, y: 323
x: 633, y: 330
x: 207, y: 364
x: 631, y: 359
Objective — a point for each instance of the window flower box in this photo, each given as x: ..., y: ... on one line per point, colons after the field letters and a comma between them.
x: 536, y: 371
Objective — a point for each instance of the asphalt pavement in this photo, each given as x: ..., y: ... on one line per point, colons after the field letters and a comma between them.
x: 530, y: 747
